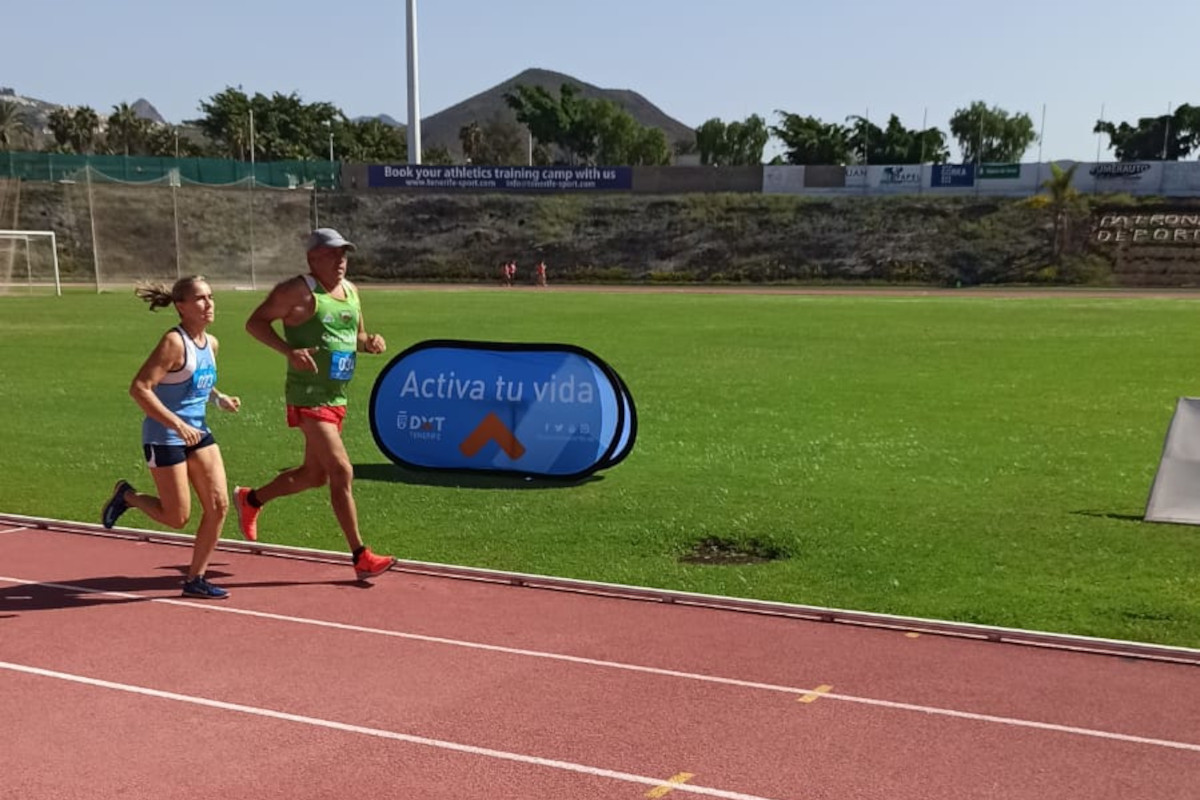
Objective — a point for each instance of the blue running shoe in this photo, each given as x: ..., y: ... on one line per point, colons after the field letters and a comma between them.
x: 116, y: 505
x: 198, y: 587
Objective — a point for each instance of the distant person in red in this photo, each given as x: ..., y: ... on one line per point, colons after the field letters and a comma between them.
x: 512, y: 272
x: 504, y: 274
x: 541, y: 273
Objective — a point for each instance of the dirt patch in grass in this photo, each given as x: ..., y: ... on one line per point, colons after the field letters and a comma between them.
x: 720, y: 550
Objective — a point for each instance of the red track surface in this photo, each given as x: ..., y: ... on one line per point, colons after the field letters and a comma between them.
x: 307, y: 684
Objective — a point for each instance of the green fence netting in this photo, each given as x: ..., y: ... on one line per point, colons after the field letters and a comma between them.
x: 139, y: 169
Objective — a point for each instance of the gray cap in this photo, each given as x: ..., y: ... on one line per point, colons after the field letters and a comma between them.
x: 327, y: 237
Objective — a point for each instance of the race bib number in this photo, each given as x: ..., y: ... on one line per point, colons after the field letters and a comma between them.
x: 205, y: 379
x: 341, y: 365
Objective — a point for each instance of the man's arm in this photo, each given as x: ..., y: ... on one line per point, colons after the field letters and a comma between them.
x: 367, y: 342
x: 284, y: 299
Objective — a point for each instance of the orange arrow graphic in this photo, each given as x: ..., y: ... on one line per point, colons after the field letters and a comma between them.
x: 492, y: 429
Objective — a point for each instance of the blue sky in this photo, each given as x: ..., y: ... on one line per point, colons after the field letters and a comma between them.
x: 693, y: 59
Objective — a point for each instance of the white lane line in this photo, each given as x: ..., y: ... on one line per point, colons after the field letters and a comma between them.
x: 7, y: 529
x: 441, y: 744
x: 591, y: 662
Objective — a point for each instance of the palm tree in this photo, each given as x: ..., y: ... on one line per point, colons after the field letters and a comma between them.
x: 85, y: 123
x: 471, y: 137
x: 61, y: 122
x: 125, y: 130
x: 15, y: 126
x: 1062, y: 197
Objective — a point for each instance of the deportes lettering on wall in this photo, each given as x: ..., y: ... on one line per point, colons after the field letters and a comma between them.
x: 1147, y: 227
x: 547, y: 410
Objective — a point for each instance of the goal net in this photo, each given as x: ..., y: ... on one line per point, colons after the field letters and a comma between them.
x: 29, y: 262
x: 238, y: 235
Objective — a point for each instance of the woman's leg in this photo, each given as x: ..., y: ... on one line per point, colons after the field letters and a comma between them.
x: 206, y: 470
x: 173, y: 505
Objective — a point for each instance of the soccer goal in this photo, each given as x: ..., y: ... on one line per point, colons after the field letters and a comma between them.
x: 29, y: 260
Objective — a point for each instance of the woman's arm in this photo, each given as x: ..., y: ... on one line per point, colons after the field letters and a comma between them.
x: 167, y: 356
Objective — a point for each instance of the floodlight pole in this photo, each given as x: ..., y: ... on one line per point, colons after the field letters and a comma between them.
x: 414, y: 103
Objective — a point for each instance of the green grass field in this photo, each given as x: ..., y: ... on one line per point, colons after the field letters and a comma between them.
x: 976, y: 459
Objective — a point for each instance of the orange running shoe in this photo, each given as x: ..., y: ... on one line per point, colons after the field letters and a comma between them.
x: 369, y: 565
x: 247, y: 514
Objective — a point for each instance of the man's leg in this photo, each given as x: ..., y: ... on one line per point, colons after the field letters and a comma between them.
x: 324, y: 442
x: 308, y: 475
x: 248, y: 502
x: 323, y: 445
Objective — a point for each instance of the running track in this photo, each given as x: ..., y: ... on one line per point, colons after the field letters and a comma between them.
x: 307, y: 684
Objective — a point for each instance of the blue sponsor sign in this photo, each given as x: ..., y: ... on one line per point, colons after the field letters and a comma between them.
x: 550, y: 179
x: 952, y: 176
x: 550, y: 410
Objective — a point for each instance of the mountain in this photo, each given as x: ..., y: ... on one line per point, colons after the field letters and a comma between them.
x: 145, y: 110
x: 442, y: 128
x: 384, y: 118
x: 38, y: 109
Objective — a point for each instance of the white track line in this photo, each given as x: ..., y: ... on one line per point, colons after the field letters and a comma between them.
x: 378, y: 733
x: 14, y: 530
x: 670, y: 673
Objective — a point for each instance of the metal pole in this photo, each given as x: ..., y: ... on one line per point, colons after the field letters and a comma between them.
x: 1166, y: 132
x: 92, y: 217
x: 1037, y: 186
x: 54, y: 250
x: 253, y: 178
x: 867, y: 137
x: 924, y: 126
x: 979, y: 150
x: 175, y: 214
x: 414, y: 104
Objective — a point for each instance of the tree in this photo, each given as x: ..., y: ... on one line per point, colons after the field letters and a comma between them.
x: 504, y: 142
x: 16, y: 131
x: 226, y: 122
x: 586, y: 130
x: 991, y: 135
x: 895, y: 144
x: 437, y: 156
x: 471, y: 138
x: 710, y: 141
x: 166, y: 141
x: 372, y: 140
x: 808, y: 140
x: 61, y: 122
x: 285, y: 127
x: 539, y: 111
x: 1063, y: 196
x: 85, y: 124
x: 127, y: 132
x: 1167, y: 138
x: 735, y: 144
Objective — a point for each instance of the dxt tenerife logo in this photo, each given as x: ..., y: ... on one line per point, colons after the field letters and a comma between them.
x: 428, y: 428
x: 550, y: 410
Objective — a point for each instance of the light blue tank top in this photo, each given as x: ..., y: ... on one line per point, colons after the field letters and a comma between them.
x: 184, y: 391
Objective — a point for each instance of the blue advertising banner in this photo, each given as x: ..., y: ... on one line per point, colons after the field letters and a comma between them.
x: 952, y: 176
x: 549, y: 410
x: 418, y: 176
